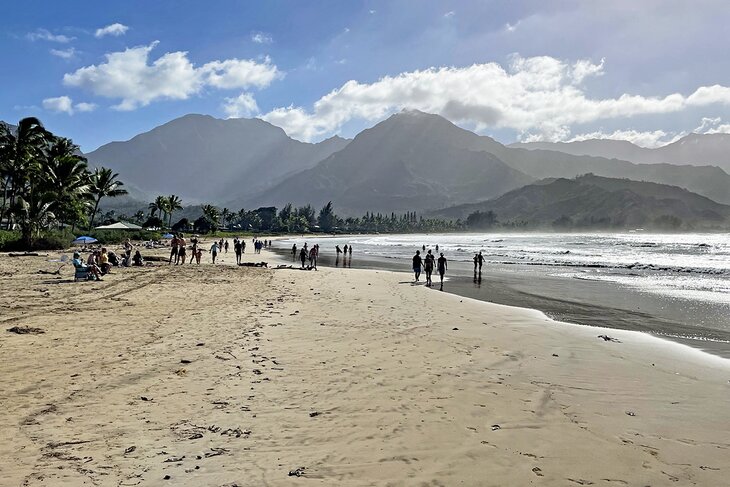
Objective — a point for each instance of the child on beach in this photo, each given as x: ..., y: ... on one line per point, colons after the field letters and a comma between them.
x: 198, y: 256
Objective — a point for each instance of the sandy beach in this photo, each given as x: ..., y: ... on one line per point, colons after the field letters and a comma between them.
x: 221, y: 376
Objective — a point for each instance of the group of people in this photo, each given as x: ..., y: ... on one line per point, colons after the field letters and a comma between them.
x: 305, y: 254
x: 179, y: 250
x: 427, y: 264
x: 101, y: 261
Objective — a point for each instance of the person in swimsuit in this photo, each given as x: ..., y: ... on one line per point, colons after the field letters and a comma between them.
x: 214, y: 251
x: 182, y: 250
x: 237, y: 250
x: 173, y: 250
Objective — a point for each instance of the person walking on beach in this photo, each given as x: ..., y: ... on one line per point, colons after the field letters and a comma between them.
x: 225, y: 246
x: 417, y: 262
x: 345, y: 247
x: 214, y: 251
x: 313, y: 257
x: 237, y: 248
x: 480, y: 259
x: 198, y: 256
x: 194, y: 252
x: 476, y: 262
x: 442, y: 266
x: 303, y: 255
x: 428, y: 264
x: 173, y: 249
x: 294, y: 252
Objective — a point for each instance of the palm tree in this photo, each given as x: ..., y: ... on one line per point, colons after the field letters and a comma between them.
x: 20, y: 149
x: 104, y: 183
x: 66, y: 177
x: 226, y: 216
x: 212, y: 214
x: 173, y: 204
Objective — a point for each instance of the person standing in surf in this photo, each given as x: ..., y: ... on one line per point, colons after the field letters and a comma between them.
x: 442, y: 266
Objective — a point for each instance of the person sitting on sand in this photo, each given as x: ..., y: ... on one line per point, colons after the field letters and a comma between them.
x: 428, y: 265
x: 137, y: 259
x: 214, y: 251
x: 92, y: 269
x: 104, y: 264
x: 442, y: 266
x: 417, y: 261
x: 113, y: 258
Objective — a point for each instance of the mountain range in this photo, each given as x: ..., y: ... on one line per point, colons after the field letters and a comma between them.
x: 692, y: 149
x: 598, y: 201
x: 410, y: 161
x: 207, y: 159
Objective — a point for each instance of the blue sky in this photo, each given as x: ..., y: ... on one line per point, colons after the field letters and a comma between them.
x: 646, y: 71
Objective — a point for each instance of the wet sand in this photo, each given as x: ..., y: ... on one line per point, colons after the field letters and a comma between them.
x: 218, y: 375
x: 579, y: 301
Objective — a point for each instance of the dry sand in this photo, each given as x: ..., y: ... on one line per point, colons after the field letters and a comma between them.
x: 217, y: 375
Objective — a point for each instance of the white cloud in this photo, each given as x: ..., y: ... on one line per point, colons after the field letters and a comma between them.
x: 59, y: 104
x: 372, y: 12
x: 115, y: 30
x: 85, y: 107
x: 712, y: 126
x: 45, y: 35
x: 64, y: 104
x: 538, y: 97
x: 261, y: 38
x: 449, y: 14
x: 64, y: 53
x: 244, y: 105
x: 128, y: 76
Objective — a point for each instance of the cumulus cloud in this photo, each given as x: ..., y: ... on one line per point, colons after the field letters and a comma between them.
x: 712, y: 126
x: 244, y: 105
x: 64, y: 104
x: 45, y: 35
x: 115, y: 30
x: 261, y: 38
x: 128, y: 75
x: 539, y: 97
x: 64, y: 53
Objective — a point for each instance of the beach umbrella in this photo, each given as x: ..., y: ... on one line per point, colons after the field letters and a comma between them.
x: 83, y: 240
x: 168, y: 235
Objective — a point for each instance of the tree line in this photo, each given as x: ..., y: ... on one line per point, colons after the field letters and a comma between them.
x: 46, y: 182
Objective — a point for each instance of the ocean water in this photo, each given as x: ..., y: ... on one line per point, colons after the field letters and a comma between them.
x: 691, y: 266
x: 676, y: 286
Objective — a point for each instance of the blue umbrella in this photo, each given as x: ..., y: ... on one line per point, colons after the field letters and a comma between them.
x: 168, y: 235
x: 84, y: 240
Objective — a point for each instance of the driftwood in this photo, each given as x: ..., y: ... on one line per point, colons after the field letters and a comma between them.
x: 24, y: 254
x: 57, y: 272
x: 26, y: 330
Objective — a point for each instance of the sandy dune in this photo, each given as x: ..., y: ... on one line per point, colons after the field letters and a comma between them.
x: 217, y: 375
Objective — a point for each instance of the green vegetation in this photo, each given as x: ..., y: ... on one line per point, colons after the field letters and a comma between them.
x: 47, y: 186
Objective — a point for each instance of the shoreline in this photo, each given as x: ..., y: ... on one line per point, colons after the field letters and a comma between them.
x: 221, y: 375
x: 504, y: 285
